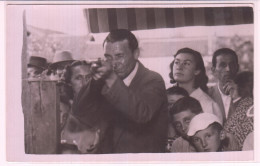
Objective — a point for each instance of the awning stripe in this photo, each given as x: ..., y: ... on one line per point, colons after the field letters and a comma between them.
x: 160, y: 18
x: 199, y: 16
x: 113, y: 18
x: 122, y: 18
x: 104, y: 20
x: 189, y: 19
x: 169, y: 17
x: 131, y: 19
x: 179, y: 19
x: 141, y: 21
x: 150, y: 17
x: 94, y: 24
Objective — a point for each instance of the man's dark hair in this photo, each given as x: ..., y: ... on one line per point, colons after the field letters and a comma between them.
x: 201, y: 79
x: 120, y: 35
x: 186, y: 103
x: 223, y: 51
x: 175, y: 90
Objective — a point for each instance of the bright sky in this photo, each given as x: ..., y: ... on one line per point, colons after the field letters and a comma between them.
x: 64, y: 18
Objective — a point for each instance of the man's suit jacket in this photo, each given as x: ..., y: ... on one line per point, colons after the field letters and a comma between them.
x: 216, y: 96
x: 139, y: 113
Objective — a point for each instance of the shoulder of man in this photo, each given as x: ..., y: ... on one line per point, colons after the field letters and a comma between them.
x: 147, y: 74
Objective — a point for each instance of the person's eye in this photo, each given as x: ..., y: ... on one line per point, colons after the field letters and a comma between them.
x: 186, y: 63
x: 119, y: 56
x: 178, y: 125
x: 223, y: 65
x: 87, y: 77
x: 176, y: 62
x: 187, y: 121
x: 195, y: 140
x: 108, y: 57
x: 79, y: 78
x: 208, y: 136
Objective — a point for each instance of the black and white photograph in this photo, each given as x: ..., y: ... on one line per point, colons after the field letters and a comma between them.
x: 162, y: 82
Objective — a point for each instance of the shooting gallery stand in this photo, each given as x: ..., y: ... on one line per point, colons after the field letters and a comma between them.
x: 41, y: 116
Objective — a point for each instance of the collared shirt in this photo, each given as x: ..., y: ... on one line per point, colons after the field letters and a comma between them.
x: 131, y: 76
x: 207, y: 103
x: 226, y: 99
x: 204, y: 99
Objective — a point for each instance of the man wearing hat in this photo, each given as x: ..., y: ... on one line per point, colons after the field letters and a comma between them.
x: 36, y: 66
x: 60, y: 61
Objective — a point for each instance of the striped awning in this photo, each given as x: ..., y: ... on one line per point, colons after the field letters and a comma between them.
x: 106, y: 19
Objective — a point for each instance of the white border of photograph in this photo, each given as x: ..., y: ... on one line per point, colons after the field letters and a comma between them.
x: 14, y: 113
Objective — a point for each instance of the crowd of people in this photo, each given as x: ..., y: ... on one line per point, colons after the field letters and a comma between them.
x: 117, y: 105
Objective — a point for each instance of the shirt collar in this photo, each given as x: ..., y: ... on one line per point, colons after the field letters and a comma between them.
x: 131, y: 76
x: 222, y: 94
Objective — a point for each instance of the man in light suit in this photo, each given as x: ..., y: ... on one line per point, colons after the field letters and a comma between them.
x: 224, y: 67
x: 136, y: 96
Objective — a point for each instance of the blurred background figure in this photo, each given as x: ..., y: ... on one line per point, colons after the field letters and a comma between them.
x: 36, y: 66
x: 76, y: 136
x: 60, y: 60
x: 173, y: 95
x: 246, y: 52
x: 224, y: 68
x: 241, y: 122
x: 77, y: 75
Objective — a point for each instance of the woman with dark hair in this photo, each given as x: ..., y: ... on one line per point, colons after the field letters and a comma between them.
x: 87, y: 123
x: 188, y: 71
x: 241, y: 122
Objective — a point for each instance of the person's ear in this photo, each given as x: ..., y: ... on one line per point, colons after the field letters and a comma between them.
x: 136, y: 53
x: 222, y: 135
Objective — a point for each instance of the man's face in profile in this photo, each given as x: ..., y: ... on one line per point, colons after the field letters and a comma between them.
x: 122, y: 58
x: 226, y: 68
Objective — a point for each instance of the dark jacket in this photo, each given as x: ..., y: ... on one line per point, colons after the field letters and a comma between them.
x: 139, y: 113
x: 90, y: 108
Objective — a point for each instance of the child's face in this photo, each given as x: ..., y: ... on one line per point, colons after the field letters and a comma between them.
x: 181, y: 121
x: 207, y: 140
x: 172, y: 98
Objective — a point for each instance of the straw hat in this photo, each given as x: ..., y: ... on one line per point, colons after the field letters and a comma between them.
x: 61, y: 56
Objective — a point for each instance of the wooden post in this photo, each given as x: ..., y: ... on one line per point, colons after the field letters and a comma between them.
x: 42, y: 118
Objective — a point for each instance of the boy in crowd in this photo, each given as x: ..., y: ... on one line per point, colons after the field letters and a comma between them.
x: 173, y: 94
x: 206, y: 133
x: 181, y: 114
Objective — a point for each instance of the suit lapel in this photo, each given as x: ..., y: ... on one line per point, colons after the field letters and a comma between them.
x: 217, y: 97
x: 138, y: 76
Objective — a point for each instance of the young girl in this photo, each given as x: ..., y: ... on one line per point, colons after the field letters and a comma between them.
x: 188, y: 71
